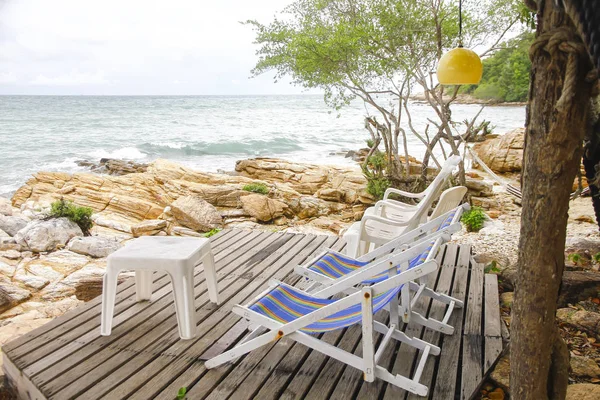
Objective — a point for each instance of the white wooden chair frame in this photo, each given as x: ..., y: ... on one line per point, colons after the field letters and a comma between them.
x: 368, y: 363
x: 325, y: 287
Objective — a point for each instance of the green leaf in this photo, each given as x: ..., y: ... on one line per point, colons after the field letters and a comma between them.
x: 181, y: 393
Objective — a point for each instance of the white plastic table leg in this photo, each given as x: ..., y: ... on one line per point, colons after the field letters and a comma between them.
x: 352, y: 238
x: 183, y: 293
x: 210, y: 274
x: 143, y: 285
x: 109, y: 292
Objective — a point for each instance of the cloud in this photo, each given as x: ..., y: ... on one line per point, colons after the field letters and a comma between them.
x: 132, y: 47
x: 72, y: 79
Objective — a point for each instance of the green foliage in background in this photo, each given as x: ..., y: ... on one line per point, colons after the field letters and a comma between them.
x: 506, y: 72
x: 82, y: 216
x: 473, y: 219
x: 256, y: 188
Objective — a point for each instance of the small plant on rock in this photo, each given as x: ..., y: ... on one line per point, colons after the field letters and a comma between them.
x: 370, y: 143
x: 596, y: 258
x: 575, y: 258
x: 473, y: 219
x: 212, y: 232
x: 256, y: 188
x: 82, y: 216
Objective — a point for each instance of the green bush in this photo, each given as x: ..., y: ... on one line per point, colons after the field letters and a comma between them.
x: 488, y: 91
x: 377, y: 186
x: 473, y: 219
x: 256, y: 188
x: 370, y: 143
x: 82, y: 216
x: 212, y: 232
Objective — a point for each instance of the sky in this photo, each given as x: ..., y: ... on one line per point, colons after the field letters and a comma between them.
x: 133, y: 47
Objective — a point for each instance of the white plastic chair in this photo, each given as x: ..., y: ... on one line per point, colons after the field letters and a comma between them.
x: 389, y: 218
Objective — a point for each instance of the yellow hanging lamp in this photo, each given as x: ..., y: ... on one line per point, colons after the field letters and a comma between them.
x: 460, y: 66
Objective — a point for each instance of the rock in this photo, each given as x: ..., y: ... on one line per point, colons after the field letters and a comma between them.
x: 487, y: 203
x: 32, y: 281
x: 39, y: 236
x: 11, y: 295
x: 506, y: 299
x: 148, y: 228
x: 583, y: 366
x: 577, y: 286
x: 12, y: 224
x: 580, y: 319
x: 263, y: 208
x: 10, y: 254
x: 583, y: 391
x: 494, y: 214
x: 7, y: 270
x: 479, y: 188
x: 3, y: 234
x: 196, y: 214
x: 112, y: 166
x: 54, y: 266
x: 327, y: 223
x: 9, y: 243
x: 585, y: 218
x: 584, y: 247
x: 504, y: 153
x: 5, y: 207
x: 93, y: 246
x: 181, y: 231
x: 501, y: 372
x: 112, y: 221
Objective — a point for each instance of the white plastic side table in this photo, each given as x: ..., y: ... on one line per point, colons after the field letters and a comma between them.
x: 175, y: 255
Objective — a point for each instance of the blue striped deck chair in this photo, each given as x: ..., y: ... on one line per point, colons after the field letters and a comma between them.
x: 285, y: 311
x: 333, y: 272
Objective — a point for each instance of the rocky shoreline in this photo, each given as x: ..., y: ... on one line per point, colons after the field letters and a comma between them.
x: 48, y: 267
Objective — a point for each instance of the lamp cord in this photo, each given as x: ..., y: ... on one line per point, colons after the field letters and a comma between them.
x: 460, y: 41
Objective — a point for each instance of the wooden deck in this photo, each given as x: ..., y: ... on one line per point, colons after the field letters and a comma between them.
x: 144, y: 358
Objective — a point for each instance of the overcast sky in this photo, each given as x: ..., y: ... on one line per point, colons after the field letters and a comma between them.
x: 132, y: 47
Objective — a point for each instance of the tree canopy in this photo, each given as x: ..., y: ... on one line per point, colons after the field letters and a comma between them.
x: 506, y: 72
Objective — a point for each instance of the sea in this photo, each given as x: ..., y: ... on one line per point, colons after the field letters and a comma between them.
x: 208, y: 133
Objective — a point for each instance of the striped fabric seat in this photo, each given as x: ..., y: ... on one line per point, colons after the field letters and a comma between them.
x: 285, y: 304
x: 334, y: 265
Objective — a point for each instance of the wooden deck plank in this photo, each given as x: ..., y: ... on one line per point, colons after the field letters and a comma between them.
x: 492, y: 330
x: 472, y: 354
x: 212, y: 377
x: 147, y: 314
x: 244, y: 383
x: 72, y: 328
x: 144, y: 357
x: 214, y: 327
x: 436, y: 311
x: 375, y: 389
x: 407, y: 355
x: 89, y: 310
x: 448, y: 364
x: 253, y: 383
x: 159, y: 333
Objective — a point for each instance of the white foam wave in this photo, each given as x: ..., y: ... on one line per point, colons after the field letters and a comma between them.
x: 128, y: 153
x: 170, y: 145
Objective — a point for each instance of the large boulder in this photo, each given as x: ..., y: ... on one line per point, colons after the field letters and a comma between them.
x: 263, y: 208
x: 196, y: 213
x: 12, y: 224
x: 504, y: 153
x: 39, y: 236
x: 584, y: 366
x: 5, y: 206
x: 94, y: 246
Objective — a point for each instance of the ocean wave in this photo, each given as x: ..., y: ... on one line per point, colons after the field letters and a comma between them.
x: 125, y: 153
x: 246, y: 147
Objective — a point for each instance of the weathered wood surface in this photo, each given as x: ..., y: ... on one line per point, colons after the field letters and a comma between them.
x: 144, y: 357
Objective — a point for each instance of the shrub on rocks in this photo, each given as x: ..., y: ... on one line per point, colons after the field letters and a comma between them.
x: 82, y: 216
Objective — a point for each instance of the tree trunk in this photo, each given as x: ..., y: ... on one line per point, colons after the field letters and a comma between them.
x: 553, y: 146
